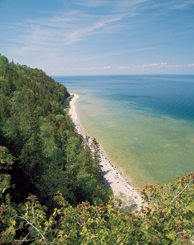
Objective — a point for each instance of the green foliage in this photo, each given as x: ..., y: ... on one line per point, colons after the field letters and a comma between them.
x: 156, y: 223
x: 4, y: 106
x: 96, y: 158
x: 48, y: 154
x: 171, y: 210
x: 68, y: 101
x: 41, y: 155
x: 6, y: 159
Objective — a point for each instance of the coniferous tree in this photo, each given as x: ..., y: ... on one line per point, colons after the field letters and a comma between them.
x: 48, y: 154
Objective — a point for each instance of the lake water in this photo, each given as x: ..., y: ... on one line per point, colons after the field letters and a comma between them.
x: 144, y: 123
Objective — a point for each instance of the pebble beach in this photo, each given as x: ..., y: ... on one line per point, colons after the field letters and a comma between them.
x: 112, y: 177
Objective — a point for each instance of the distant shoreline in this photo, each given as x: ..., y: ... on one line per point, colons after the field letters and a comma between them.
x: 112, y: 177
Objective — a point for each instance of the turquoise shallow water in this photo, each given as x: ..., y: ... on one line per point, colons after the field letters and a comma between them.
x: 144, y: 123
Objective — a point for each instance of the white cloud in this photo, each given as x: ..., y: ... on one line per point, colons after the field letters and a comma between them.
x: 63, y: 29
x: 97, y: 27
x: 92, y: 3
x: 107, y: 67
x: 124, y: 67
x: 171, y: 5
x: 171, y: 66
x: 158, y: 65
x: 137, y: 5
x: 181, y: 4
x: 114, y: 4
x: 59, y: 37
x: 174, y: 66
x: 101, y: 68
x: 150, y: 65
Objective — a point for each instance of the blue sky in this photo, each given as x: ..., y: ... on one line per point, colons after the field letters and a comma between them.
x: 99, y: 37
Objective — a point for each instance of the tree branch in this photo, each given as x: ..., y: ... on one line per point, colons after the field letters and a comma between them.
x: 174, y: 199
x: 33, y: 227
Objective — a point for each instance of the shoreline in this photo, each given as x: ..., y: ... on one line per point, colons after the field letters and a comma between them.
x: 112, y: 177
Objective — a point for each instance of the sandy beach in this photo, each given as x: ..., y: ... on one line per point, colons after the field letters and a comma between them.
x: 112, y: 177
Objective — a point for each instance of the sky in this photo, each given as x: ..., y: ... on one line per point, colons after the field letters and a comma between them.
x: 99, y: 37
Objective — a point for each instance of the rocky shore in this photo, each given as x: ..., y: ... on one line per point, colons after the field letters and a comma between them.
x: 112, y: 176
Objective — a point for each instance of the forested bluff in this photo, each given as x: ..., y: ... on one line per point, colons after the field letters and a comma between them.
x: 51, y: 188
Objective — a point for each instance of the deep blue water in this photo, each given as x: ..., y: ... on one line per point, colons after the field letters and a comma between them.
x: 171, y: 95
x: 144, y: 123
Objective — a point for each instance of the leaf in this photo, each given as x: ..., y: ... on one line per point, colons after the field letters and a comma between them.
x: 171, y: 235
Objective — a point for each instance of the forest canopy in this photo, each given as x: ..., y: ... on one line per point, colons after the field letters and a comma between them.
x: 48, y: 155
x: 51, y: 189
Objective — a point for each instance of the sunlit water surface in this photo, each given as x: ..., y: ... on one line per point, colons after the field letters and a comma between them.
x: 144, y: 123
